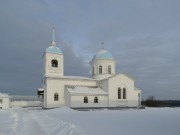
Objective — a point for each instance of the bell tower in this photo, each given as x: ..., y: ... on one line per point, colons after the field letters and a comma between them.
x: 53, y: 60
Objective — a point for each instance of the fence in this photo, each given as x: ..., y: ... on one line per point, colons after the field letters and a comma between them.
x: 25, y: 101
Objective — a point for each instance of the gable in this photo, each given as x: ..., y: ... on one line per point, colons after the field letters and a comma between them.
x: 121, y: 76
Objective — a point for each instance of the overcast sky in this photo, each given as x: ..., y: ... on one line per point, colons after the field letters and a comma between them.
x: 142, y: 35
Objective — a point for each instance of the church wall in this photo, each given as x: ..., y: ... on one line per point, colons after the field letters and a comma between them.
x: 53, y: 71
x: 44, y: 87
x: 121, y: 81
x: 133, y: 96
x: 55, y: 85
x: 78, y: 101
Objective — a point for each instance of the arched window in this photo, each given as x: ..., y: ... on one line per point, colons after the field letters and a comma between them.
x: 95, y: 99
x: 109, y: 69
x: 56, y: 97
x: 54, y: 63
x: 119, y: 93
x: 85, y: 99
x: 124, y: 93
x: 100, y: 69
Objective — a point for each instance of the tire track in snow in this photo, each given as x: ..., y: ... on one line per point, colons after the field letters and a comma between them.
x: 32, y: 125
x: 58, y: 127
x: 16, y: 122
x: 24, y: 124
x: 28, y: 122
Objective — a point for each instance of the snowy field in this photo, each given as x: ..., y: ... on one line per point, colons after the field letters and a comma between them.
x: 65, y: 121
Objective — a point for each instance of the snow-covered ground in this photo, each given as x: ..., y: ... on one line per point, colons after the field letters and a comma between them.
x: 65, y: 121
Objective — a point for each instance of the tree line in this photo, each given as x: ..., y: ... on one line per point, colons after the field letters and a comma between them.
x: 151, y: 101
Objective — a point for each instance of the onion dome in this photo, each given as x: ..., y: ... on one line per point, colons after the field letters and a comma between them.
x: 103, y: 54
x: 54, y: 49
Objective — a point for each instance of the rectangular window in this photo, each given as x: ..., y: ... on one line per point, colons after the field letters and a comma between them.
x: 1, y: 100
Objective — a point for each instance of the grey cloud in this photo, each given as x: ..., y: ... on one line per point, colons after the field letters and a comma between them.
x: 73, y: 64
x: 142, y: 35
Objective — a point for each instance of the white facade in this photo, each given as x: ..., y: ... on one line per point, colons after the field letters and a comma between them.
x: 104, y: 89
x: 4, y: 101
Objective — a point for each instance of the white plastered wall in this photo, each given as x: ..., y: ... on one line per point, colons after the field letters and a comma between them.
x: 5, y: 102
x: 77, y: 101
x: 53, y: 71
x: 104, y: 64
x: 57, y: 85
x: 126, y: 82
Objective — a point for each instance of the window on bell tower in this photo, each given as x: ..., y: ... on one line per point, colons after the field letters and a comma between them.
x: 100, y: 69
x: 109, y: 69
x: 54, y: 63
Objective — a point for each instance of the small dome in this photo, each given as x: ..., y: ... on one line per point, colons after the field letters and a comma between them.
x: 103, y: 54
x: 54, y: 49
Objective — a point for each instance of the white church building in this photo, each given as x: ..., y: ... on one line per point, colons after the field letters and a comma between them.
x: 105, y: 88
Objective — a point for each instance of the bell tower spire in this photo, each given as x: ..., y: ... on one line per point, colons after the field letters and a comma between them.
x: 53, y: 59
x: 53, y: 42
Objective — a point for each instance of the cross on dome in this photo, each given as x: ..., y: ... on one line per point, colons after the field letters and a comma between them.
x: 102, y: 45
x: 53, y: 38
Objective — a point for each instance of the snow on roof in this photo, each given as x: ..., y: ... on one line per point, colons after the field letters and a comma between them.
x: 128, y: 76
x: 3, y: 95
x: 40, y: 89
x: 78, y: 90
x: 119, y: 75
x: 137, y: 89
x: 77, y: 77
x: 74, y: 77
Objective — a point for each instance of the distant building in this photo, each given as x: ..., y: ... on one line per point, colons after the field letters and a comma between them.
x: 103, y: 89
x: 4, y: 101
